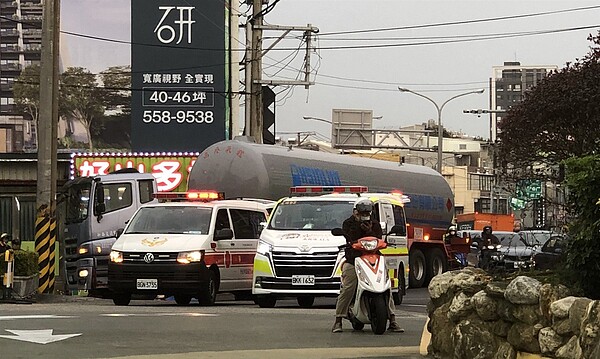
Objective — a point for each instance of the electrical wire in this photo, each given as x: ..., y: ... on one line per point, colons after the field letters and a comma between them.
x: 499, y: 18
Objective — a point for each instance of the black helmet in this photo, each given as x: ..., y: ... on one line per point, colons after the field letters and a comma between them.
x: 364, y: 205
x: 487, y: 229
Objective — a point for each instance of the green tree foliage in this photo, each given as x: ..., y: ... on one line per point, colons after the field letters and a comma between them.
x: 81, y: 98
x: 117, y: 88
x: 27, y: 92
x: 557, y: 119
x: 583, y: 255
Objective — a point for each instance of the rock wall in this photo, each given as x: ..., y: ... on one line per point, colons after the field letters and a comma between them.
x: 472, y: 316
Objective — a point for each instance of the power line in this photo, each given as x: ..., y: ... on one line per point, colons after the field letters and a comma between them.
x: 462, y: 22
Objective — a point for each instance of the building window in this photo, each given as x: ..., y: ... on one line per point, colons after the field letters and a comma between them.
x: 462, y: 146
x: 483, y: 205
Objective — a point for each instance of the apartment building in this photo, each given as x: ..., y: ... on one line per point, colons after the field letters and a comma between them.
x: 508, y: 84
x: 20, y: 46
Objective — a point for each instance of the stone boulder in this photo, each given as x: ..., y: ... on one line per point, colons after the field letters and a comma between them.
x: 571, y: 350
x: 524, y: 337
x: 460, y: 307
x: 440, y: 328
x: 485, y: 306
x: 472, y: 339
x: 549, y: 294
x: 589, y: 340
x: 496, y: 289
x: 523, y: 290
x: 560, y: 308
x: 577, y: 312
x: 549, y: 340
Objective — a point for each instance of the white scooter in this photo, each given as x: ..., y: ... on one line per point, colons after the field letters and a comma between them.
x: 374, y: 286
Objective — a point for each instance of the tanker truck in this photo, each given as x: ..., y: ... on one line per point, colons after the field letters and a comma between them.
x: 242, y: 169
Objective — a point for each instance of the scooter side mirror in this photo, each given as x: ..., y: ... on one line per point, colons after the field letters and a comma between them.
x: 337, y: 232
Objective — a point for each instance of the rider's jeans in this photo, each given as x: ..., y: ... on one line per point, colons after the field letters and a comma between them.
x: 350, y: 282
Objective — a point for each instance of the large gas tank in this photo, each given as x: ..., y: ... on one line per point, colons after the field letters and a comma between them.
x: 245, y: 169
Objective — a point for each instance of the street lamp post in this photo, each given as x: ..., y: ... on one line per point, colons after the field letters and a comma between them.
x: 439, y: 112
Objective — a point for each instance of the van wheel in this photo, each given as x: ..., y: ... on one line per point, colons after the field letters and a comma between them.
x: 265, y: 301
x: 436, y: 263
x: 183, y: 299
x: 208, y: 292
x: 399, y: 295
x: 306, y: 302
x: 417, y: 267
x: 121, y: 299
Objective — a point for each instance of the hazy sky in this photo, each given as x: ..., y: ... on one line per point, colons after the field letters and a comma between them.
x: 368, y: 78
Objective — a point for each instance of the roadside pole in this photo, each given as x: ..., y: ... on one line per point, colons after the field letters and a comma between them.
x: 45, y: 235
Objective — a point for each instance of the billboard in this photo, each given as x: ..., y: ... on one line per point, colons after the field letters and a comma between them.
x: 178, y: 61
x: 170, y: 170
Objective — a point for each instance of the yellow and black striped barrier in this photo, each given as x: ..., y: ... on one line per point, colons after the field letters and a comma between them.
x: 45, y: 239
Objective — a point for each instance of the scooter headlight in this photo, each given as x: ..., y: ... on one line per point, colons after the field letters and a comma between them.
x: 491, y: 247
x: 369, y: 245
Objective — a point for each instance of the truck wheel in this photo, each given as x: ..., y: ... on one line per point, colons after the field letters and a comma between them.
x: 121, y: 299
x: 306, y: 302
x: 417, y: 272
x: 183, y: 299
x: 436, y: 263
x: 208, y: 293
x: 265, y: 301
x: 399, y: 295
x: 379, y: 314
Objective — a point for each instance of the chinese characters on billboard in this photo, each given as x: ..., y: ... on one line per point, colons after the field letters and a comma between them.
x: 171, y: 172
x: 178, y: 58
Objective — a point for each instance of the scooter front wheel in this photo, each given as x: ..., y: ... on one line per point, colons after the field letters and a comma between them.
x: 379, y: 314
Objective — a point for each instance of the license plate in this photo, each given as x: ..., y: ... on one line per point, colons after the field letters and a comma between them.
x: 519, y: 264
x: 303, y: 280
x: 147, y: 284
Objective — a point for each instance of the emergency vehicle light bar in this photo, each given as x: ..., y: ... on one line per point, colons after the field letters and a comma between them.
x: 329, y: 189
x: 190, y: 196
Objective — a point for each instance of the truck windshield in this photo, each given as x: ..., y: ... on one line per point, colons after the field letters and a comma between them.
x: 310, y: 215
x: 77, y: 204
x: 171, y: 220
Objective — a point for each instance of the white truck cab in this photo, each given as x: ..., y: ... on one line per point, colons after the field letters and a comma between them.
x: 297, y: 256
x: 190, y: 249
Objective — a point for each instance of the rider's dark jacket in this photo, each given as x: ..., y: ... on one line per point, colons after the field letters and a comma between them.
x: 353, y: 232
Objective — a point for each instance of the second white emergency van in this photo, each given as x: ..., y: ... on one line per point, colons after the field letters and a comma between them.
x: 297, y: 256
x: 190, y: 249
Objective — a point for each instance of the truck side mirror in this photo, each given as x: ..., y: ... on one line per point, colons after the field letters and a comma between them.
x: 337, y: 232
x: 261, y: 226
x: 398, y: 230
x: 383, y: 226
x: 225, y: 233
x: 99, y: 205
x: 119, y: 232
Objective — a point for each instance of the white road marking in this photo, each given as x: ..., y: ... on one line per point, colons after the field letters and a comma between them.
x: 158, y: 315
x: 42, y: 336
x: 40, y: 316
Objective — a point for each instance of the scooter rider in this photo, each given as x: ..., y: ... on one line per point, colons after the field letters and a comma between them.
x: 357, y: 226
x: 487, y: 239
x: 4, y: 246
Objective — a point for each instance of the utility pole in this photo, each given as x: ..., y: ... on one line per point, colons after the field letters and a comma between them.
x: 253, y: 70
x: 256, y: 108
x: 45, y: 231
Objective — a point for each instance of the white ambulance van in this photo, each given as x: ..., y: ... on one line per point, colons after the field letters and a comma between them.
x: 297, y: 256
x: 190, y: 249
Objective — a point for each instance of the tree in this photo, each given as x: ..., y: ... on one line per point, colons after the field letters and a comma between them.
x: 81, y: 98
x: 557, y: 119
x: 26, y: 92
x: 583, y: 254
x: 116, y: 93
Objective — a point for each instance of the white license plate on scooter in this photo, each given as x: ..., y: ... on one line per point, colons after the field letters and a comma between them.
x: 303, y: 280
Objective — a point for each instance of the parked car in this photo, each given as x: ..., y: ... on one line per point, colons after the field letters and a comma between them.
x: 537, y: 236
x: 552, y: 252
x: 518, y: 250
